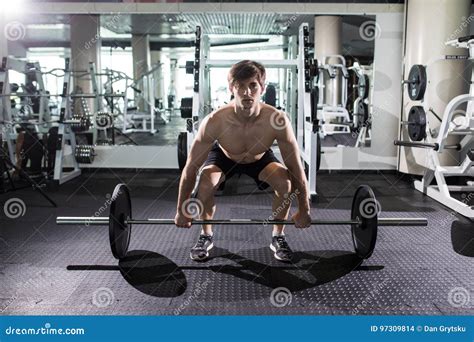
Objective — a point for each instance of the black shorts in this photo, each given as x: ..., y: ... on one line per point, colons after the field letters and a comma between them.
x: 217, y: 157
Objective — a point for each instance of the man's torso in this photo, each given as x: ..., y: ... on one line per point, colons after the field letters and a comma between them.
x: 245, y: 142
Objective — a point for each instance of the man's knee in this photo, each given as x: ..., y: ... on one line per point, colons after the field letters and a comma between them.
x: 208, y: 182
x: 206, y: 188
x: 282, y: 183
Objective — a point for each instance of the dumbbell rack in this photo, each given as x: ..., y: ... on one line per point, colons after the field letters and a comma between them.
x: 307, y: 124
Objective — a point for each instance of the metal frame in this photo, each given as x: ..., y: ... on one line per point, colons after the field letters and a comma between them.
x: 65, y: 134
x: 331, y: 109
x: 441, y: 192
x: 305, y: 128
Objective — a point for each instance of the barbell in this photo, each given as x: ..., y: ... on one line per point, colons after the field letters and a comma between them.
x: 364, y: 221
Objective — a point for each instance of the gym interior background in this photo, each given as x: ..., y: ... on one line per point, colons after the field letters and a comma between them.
x: 96, y: 93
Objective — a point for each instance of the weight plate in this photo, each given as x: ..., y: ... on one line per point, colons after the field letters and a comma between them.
x: 84, y: 154
x: 417, y: 85
x: 363, y: 87
x: 182, y: 150
x: 363, y: 112
x: 318, y: 151
x: 186, y: 107
x: 120, y: 211
x: 190, y: 67
x: 417, y: 123
x: 365, y: 208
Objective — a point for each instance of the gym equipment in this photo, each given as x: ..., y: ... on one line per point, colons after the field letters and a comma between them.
x: 301, y: 69
x: 318, y: 152
x: 6, y: 162
x: 182, y: 149
x: 80, y: 123
x: 363, y: 112
x: 457, y: 120
x: 416, y: 82
x: 270, y: 95
x: 364, y: 221
x: 363, y: 86
x: 416, y: 123
x: 434, y: 146
x: 189, y: 67
x: 186, y: 108
x: 84, y: 154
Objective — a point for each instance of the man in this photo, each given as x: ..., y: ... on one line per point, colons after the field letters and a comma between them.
x: 236, y: 138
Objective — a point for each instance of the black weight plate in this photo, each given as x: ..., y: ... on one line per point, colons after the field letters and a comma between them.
x: 417, y: 87
x: 186, y: 107
x: 182, y: 150
x: 417, y: 123
x: 120, y: 211
x: 363, y: 87
x: 363, y: 112
x: 365, y: 208
x: 190, y: 67
x: 318, y: 151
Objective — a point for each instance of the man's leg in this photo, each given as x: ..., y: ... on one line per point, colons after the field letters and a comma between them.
x: 209, y: 180
x: 211, y: 177
x: 276, y: 175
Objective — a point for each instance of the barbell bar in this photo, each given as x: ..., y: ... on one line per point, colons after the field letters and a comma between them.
x: 103, y: 221
x: 364, y: 221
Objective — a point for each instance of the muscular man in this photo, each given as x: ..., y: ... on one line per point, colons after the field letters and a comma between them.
x: 236, y: 138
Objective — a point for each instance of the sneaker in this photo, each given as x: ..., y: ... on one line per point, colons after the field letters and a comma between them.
x: 200, y: 251
x: 281, y: 249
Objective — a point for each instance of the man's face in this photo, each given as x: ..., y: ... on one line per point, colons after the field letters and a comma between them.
x: 247, y: 93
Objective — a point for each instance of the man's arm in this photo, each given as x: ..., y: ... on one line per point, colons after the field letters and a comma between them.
x: 291, y: 157
x: 200, y: 148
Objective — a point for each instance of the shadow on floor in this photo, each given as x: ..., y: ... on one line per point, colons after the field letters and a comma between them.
x: 156, y: 275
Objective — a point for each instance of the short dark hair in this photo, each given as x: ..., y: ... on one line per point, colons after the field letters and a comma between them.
x: 246, y: 69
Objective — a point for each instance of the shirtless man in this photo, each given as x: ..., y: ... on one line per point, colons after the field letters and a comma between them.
x: 236, y: 138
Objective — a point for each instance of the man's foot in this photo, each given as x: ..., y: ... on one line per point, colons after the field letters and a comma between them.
x: 281, y: 249
x: 200, y: 251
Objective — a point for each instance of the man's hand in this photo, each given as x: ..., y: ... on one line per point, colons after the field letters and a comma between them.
x: 182, y: 221
x: 302, y: 219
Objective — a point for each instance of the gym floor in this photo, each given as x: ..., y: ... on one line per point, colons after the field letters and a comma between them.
x: 47, y: 269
